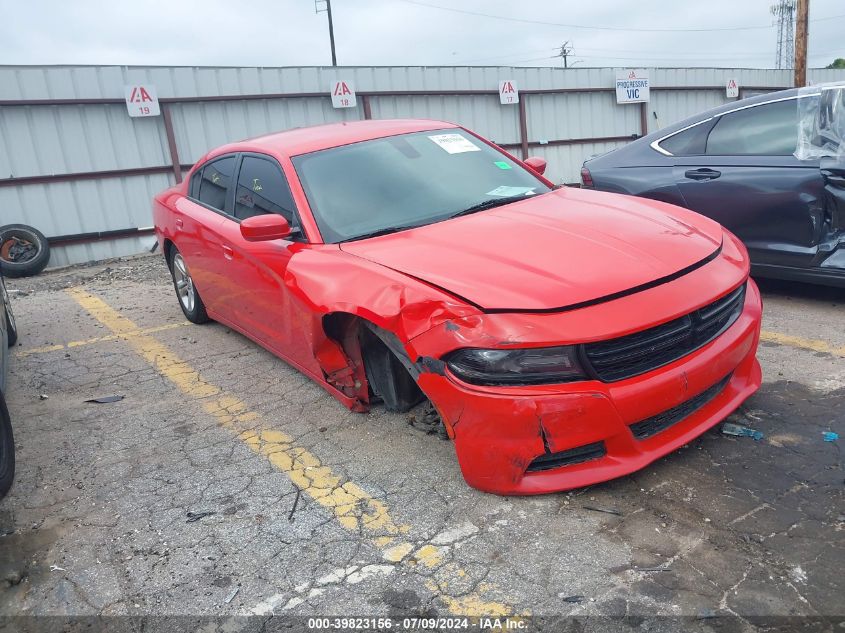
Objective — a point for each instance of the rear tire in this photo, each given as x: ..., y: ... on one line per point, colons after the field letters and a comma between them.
x: 187, y: 294
x: 11, y: 326
x: 388, y: 377
x: 7, y: 450
x: 24, y: 251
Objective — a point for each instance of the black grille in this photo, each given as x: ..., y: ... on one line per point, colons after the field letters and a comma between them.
x: 640, y: 352
x: 664, y: 420
x: 567, y: 458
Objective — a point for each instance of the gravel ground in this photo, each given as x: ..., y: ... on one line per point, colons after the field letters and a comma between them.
x: 97, y: 522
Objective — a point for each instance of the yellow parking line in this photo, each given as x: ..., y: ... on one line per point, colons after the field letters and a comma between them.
x: 99, y: 339
x: 813, y: 345
x: 352, y: 506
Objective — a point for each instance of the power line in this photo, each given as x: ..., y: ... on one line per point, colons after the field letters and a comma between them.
x: 607, y: 53
x: 508, y: 55
x: 598, y: 28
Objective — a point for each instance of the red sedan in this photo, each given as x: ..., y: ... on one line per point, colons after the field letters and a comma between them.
x: 565, y: 337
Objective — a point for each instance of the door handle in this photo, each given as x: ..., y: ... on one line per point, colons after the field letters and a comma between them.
x: 705, y: 173
x: 179, y: 224
x: 228, y: 252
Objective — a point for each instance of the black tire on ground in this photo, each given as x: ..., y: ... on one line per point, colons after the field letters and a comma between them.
x: 388, y: 377
x: 7, y: 450
x: 24, y: 251
x: 186, y: 293
x: 11, y: 327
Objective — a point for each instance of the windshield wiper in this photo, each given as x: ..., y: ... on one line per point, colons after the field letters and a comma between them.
x: 481, y: 206
x: 385, y: 231
x: 487, y: 204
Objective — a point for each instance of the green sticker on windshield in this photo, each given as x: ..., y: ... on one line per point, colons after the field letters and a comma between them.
x: 502, y: 164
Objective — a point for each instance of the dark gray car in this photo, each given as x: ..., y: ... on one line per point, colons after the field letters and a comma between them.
x: 736, y: 164
x: 8, y: 336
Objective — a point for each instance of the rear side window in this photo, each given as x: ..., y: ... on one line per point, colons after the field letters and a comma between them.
x: 768, y: 130
x: 687, y: 143
x: 262, y: 188
x: 215, y: 181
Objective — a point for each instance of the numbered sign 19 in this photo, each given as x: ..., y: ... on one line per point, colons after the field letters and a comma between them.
x: 141, y: 100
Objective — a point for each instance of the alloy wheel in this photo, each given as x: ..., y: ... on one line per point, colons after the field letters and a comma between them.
x: 184, y: 283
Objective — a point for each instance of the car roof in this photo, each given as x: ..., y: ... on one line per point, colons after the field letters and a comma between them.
x: 303, y: 140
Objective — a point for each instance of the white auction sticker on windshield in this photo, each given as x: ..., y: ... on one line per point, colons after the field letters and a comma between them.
x: 509, y: 192
x: 455, y: 143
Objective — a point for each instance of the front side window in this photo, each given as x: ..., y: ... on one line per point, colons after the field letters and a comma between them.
x: 262, y: 188
x: 764, y: 130
x: 214, y: 182
x: 399, y: 182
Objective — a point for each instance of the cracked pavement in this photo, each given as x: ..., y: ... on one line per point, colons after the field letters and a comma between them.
x: 318, y: 510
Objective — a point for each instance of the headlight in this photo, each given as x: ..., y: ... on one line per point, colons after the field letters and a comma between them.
x: 535, y: 366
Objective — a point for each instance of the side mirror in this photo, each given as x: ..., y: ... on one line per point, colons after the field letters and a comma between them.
x: 261, y: 228
x: 537, y: 164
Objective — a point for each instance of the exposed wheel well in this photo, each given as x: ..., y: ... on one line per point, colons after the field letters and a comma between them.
x: 385, y: 363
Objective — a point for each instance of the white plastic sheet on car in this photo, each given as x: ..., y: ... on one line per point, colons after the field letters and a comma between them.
x: 821, y: 122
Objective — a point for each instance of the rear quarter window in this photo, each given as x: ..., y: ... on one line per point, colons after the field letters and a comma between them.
x: 690, y: 142
x: 215, y: 181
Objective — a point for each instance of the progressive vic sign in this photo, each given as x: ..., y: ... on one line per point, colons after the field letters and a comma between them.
x: 632, y: 86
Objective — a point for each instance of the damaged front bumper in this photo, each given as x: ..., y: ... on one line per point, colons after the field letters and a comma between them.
x: 534, y: 440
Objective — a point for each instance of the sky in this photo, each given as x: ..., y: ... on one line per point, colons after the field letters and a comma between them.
x: 722, y: 33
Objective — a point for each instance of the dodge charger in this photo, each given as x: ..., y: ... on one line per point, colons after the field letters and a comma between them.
x: 563, y: 336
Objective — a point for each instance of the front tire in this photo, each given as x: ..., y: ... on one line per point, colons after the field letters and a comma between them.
x: 188, y: 295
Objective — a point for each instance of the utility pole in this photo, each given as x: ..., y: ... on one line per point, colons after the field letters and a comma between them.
x: 565, y: 52
x: 319, y: 7
x: 801, y: 24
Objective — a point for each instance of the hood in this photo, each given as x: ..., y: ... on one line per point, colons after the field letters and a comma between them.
x: 555, y: 251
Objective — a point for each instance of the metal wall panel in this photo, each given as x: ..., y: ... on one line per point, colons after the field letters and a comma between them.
x: 483, y: 114
x: 45, y: 140
x: 78, y: 82
x: 670, y: 106
x: 85, y: 206
x: 202, y: 126
x: 580, y: 115
x: 77, y: 138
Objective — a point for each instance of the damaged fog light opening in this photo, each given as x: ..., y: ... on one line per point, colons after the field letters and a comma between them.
x: 534, y: 366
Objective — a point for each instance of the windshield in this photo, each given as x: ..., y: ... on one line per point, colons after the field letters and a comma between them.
x: 399, y: 182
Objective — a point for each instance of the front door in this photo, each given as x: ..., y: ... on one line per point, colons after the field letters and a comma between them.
x: 256, y: 294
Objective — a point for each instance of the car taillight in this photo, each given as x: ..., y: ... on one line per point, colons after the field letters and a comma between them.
x: 586, y: 177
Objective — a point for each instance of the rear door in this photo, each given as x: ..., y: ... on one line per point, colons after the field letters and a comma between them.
x: 748, y: 180
x: 198, y: 221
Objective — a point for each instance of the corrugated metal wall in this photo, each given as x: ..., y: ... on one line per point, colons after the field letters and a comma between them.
x: 77, y: 136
